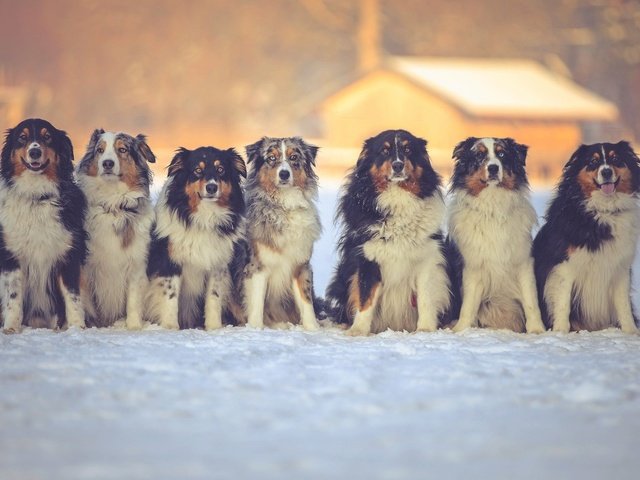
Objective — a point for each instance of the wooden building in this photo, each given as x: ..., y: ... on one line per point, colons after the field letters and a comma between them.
x: 446, y: 100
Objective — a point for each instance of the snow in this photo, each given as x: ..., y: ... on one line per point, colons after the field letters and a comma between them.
x: 241, y: 403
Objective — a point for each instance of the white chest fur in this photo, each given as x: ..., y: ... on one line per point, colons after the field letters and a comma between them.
x: 493, y: 232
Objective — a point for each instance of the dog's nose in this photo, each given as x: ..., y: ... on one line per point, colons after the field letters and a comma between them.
x: 35, y: 153
x: 397, y: 166
x: 493, y: 169
x: 284, y: 174
x: 108, y: 164
x: 211, y: 188
x: 607, y: 173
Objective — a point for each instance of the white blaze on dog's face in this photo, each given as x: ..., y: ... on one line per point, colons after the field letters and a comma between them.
x: 284, y: 170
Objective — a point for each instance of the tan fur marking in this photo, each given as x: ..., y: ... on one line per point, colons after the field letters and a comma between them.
x: 481, y: 147
x: 51, y: 171
x: 586, y: 180
x: 128, y: 170
x: 225, y: 193
x: 299, y: 177
x: 354, y: 301
x: 193, y: 193
x: 508, y: 180
x: 571, y: 249
x: 304, y: 282
x: 625, y: 184
x: 380, y: 176
x: 414, y: 174
x: 265, y: 178
x: 476, y: 182
x: 127, y: 235
x: 16, y: 156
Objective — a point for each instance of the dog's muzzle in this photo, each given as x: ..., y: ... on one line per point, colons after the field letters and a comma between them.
x: 211, y: 191
x: 35, y: 163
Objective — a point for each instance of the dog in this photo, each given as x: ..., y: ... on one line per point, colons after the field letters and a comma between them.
x: 42, y: 239
x: 489, y: 237
x: 584, y: 252
x: 115, y: 177
x: 283, y: 225
x: 392, y: 271
x: 197, y: 241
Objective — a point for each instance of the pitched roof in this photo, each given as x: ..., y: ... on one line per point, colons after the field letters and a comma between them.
x: 506, y: 88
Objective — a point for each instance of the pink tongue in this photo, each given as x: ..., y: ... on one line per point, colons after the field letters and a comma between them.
x: 608, y: 188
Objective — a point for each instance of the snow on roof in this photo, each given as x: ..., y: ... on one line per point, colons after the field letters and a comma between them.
x: 504, y: 88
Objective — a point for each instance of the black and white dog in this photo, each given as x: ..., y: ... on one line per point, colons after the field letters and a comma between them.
x: 115, y: 178
x: 42, y: 240
x: 584, y: 252
x: 197, y: 241
x: 392, y: 270
x: 283, y: 225
x: 490, y: 223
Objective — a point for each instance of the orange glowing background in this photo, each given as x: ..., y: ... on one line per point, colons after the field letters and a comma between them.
x: 225, y: 72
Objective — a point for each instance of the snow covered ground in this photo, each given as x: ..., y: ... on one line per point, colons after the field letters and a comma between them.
x: 237, y: 403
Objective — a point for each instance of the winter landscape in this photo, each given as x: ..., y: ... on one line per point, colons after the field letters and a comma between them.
x: 240, y: 403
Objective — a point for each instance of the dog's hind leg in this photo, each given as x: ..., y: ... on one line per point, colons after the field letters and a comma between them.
x: 303, y: 296
x: 529, y: 296
x: 472, y: 289
x: 622, y: 304
x: 364, y: 294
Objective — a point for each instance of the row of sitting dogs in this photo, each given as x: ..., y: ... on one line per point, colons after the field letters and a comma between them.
x: 88, y: 247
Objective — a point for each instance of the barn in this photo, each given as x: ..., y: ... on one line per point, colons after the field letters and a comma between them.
x: 446, y: 100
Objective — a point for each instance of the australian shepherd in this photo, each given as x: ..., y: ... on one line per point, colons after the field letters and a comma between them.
x: 584, y: 252
x: 42, y: 239
x: 283, y: 225
x: 115, y: 178
x: 391, y: 271
x: 490, y: 223
x: 197, y: 236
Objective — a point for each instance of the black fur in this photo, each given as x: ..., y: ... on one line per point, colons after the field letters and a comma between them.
x: 358, y: 211
x: 568, y: 223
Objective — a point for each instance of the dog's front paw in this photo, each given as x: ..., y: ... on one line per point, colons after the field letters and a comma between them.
x: 311, y: 325
x: 535, y: 327
x: 133, y: 323
x: 561, y: 327
x: 358, y: 331
x: 630, y: 329
x: 12, y: 330
x: 460, y: 327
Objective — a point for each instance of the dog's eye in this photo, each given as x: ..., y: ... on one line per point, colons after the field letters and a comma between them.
x: 100, y: 150
x: 198, y: 171
x: 293, y: 157
x: 500, y: 154
x: 22, y: 137
x: 46, y: 136
x: 407, y: 150
x: 122, y: 150
x: 385, y: 151
x: 271, y: 158
x: 220, y: 170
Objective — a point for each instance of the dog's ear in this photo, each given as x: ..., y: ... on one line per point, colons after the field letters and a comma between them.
x: 238, y: 162
x: 177, y: 163
x: 364, y: 153
x: 575, y: 157
x: 628, y: 149
x: 91, y: 147
x: 520, y: 149
x: 143, y: 150
x: 6, y: 147
x: 253, y: 150
x: 463, y: 146
x: 310, y: 151
x: 66, y: 147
